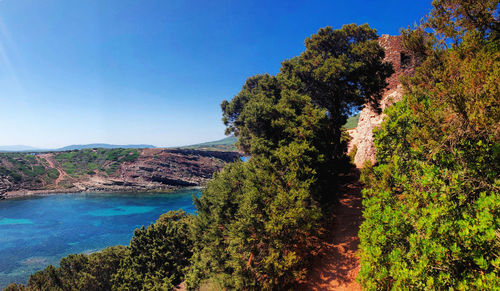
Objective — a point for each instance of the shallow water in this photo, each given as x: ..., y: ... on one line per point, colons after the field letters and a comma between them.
x: 40, y: 230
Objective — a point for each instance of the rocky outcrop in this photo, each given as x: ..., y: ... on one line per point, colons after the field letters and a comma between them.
x: 173, y: 167
x: 5, y: 186
x: 153, y: 170
x: 362, y: 135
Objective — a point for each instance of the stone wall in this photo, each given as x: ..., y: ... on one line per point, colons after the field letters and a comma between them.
x: 362, y: 135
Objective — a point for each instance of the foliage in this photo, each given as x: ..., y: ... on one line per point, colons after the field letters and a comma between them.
x: 432, y: 209
x: 341, y: 70
x: 105, y: 161
x: 258, y: 222
x: 157, y: 255
x: 253, y: 232
x: 78, y: 272
x: 26, y: 168
x: 455, y: 18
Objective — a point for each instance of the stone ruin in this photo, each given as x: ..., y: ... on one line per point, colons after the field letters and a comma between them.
x: 362, y: 135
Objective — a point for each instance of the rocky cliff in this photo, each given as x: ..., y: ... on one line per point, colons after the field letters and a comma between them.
x: 108, y: 170
x: 362, y: 135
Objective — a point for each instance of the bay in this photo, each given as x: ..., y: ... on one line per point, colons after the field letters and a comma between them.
x: 37, y: 231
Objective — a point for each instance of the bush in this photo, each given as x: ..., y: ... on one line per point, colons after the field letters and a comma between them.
x: 86, y: 161
x: 432, y: 209
x: 158, y: 255
x: 78, y: 272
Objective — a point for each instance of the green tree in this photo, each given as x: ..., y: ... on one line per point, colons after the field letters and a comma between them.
x: 257, y: 221
x: 341, y: 70
x: 266, y: 116
x: 157, y: 255
x: 455, y: 18
x: 78, y: 272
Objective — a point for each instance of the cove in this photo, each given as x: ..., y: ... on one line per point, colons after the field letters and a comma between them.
x: 40, y: 230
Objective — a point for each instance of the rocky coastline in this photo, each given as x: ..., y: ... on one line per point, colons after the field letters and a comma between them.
x: 154, y: 170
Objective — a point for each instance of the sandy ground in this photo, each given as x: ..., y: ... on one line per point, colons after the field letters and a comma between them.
x: 338, y: 265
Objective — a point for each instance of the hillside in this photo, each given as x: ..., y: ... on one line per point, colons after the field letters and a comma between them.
x: 352, y: 121
x: 225, y: 144
x: 108, y: 170
x: 104, y: 146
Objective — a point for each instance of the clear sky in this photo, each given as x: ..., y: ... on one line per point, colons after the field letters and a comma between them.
x: 153, y: 72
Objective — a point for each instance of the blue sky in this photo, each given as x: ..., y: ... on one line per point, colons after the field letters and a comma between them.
x: 155, y: 72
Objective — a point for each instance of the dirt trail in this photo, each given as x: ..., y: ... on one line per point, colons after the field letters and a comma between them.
x: 62, y: 173
x: 338, y: 265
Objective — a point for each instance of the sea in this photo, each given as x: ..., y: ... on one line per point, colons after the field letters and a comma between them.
x: 37, y: 231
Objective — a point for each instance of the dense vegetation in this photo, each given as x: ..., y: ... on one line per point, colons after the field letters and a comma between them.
x: 158, y: 255
x: 78, y: 272
x: 92, y: 161
x: 258, y: 222
x: 432, y: 202
x: 26, y: 168
x: 34, y: 171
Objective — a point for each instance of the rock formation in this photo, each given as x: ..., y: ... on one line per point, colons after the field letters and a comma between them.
x: 153, y: 170
x: 362, y: 135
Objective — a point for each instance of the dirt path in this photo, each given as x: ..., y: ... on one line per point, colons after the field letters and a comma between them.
x: 62, y: 173
x: 338, y: 266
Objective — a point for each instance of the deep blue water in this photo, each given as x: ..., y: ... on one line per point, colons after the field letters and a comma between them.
x: 40, y: 230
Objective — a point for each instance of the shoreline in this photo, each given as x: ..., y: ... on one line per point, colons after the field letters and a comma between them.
x: 74, y: 190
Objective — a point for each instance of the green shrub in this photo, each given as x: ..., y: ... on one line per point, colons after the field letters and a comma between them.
x: 87, y: 161
x: 78, y: 272
x: 53, y: 173
x: 158, y: 255
x: 432, y: 209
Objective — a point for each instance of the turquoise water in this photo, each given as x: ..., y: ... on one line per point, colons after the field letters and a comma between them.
x: 40, y: 230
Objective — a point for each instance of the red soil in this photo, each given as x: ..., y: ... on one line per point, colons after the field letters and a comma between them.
x: 337, y: 267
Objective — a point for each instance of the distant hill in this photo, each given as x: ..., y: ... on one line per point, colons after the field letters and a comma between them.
x: 104, y: 146
x: 23, y: 148
x: 352, y: 121
x: 228, y: 143
x: 18, y: 148
x: 225, y: 144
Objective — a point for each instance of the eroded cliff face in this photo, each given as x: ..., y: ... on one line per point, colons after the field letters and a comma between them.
x: 362, y: 135
x: 151, y: 170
